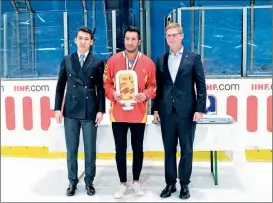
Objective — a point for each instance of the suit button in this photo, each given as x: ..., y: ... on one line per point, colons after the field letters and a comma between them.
x: 86, y: 97
x: 69, y: 74
x: 85, y: 86
x: 73, y: 85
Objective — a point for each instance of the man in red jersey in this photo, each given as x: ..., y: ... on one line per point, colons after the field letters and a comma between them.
x: 135, y: 116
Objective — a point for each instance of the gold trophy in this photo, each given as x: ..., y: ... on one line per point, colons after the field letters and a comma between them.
x: 127, y: 87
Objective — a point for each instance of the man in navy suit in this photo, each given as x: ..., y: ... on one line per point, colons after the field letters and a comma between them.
x: 82, y: 75
x: 178, y: 106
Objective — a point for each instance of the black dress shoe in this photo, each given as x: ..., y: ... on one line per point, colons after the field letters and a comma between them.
x: 90, y: 189
x: 184, y: 192
x: 169, y: 189
x: 70, y: 191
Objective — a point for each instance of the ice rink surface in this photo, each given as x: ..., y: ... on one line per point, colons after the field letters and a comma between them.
x: 45, y: 180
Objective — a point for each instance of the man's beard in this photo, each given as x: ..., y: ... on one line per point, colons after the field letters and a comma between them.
x: 131, y: 51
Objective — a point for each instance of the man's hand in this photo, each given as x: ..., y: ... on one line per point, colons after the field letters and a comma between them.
x: 140, y: 97
x: 197, y: 116
x: 99, y: 117
x: 117, y: 96
x: 58, y: 116
x: 156, y: 117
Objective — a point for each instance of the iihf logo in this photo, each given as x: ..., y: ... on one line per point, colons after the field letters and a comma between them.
x: 211, y: 105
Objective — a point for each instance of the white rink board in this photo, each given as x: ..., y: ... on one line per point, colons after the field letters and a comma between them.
x: 27, y: 122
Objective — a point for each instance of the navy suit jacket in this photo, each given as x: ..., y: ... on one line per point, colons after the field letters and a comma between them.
x: 181, y: 92
x: 85, y: 95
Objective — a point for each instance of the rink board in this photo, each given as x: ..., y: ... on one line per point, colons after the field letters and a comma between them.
x: 27, y: 117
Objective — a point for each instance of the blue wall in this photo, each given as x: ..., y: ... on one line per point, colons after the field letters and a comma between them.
x: 160, y: 9
x: 222, y: 44
x: 223, y: 35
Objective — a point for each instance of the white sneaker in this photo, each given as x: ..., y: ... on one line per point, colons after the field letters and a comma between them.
x: 137, y: 188
x: 120, y: 191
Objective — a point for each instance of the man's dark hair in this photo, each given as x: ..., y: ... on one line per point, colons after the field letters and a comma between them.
x: 87, y: 30
x: 132, y: 29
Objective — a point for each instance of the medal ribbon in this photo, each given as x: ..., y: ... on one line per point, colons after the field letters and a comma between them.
x: 127, y: 61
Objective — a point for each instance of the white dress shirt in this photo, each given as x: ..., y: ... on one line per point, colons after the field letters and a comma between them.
x: 85, y: 55
x: 174, y: 62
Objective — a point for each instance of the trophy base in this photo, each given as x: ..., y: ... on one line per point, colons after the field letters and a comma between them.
x: 128, y: 106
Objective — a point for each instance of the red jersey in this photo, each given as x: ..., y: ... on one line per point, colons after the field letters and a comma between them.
x: 145, y: 71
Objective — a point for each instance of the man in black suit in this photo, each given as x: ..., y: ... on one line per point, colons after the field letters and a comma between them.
x: 84, y: 105
x: 177, y: 107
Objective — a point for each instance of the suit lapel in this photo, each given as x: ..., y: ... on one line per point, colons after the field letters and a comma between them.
x: 87, y: 66
x: 166, y: 66
x: 182, y: 64
x: 88, y: 61
x: 76, y: 65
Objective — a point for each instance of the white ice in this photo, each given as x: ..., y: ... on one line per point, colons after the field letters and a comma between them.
x: 45, y: 180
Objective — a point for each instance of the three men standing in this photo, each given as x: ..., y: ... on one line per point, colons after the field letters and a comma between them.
x: 177, y: 86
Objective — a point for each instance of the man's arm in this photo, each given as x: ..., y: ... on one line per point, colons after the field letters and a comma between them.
x: 150, y: 88
x: 199, y: 77
x: 108, y: 81
x: 159, y: 82
x: 100, y: 88
x: 61, y: 83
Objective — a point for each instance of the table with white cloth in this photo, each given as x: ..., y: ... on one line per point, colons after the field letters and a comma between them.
x: 208, y: 137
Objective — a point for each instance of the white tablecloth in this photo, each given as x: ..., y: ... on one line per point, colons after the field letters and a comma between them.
x: 208, y: 137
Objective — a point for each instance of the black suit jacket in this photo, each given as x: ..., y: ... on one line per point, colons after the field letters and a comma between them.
x: 85, y: 94
x: 181, y: 92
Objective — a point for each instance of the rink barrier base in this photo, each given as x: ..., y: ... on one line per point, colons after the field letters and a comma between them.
x: 43, y: 152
